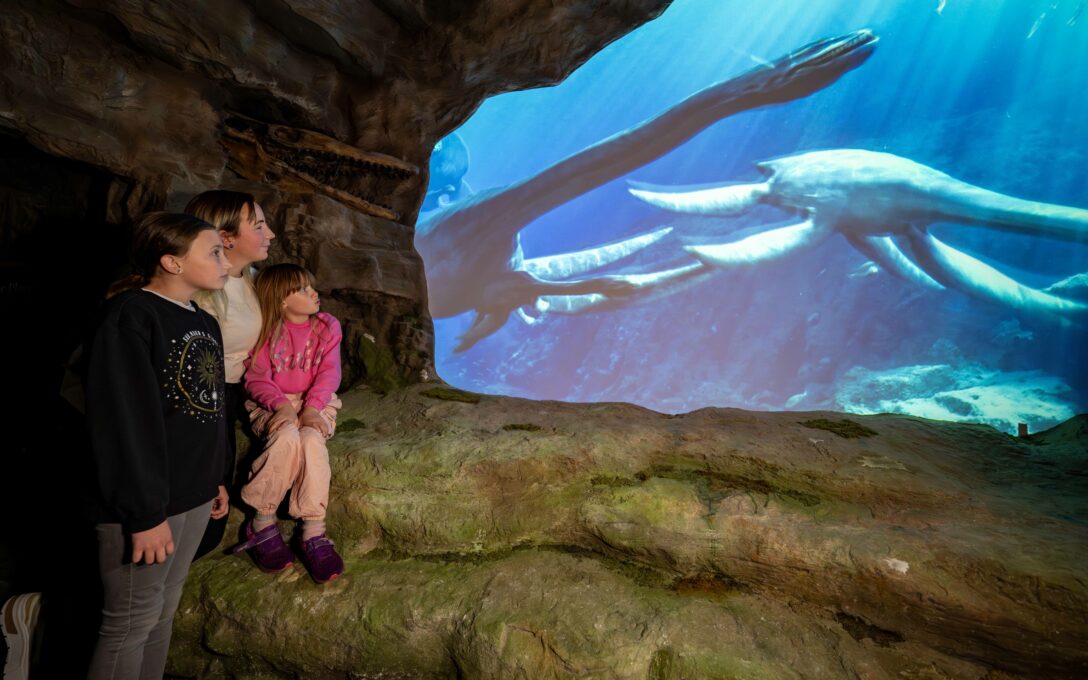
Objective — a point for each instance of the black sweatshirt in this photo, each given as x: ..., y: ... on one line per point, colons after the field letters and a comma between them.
x: 155, y: 397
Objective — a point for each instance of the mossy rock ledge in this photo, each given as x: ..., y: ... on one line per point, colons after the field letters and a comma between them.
x: 615, y: 542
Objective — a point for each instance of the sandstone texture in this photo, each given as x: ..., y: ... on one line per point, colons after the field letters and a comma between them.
x: 495, y: 537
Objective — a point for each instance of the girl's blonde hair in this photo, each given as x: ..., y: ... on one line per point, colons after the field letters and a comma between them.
x: 223, y: 210
x: 273, y: 285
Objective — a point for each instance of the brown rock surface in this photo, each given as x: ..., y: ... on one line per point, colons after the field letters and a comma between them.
x: 509, y: 538
x: 144, y: 91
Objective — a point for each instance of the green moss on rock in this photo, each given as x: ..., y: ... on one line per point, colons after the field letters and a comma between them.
x: 712, y: 486
x: 611, y: 481
x: 664, y: 665
x: 628, y: 546
x: 521, y: 427
x: 350, y: 425
x: 451, y: 394
x: 383, y: 375
x: 848, y: 429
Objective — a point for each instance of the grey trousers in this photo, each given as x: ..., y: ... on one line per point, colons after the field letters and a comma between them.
x: 140, y: 599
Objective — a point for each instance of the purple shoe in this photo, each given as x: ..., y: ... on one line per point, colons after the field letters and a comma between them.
x: 321, y: 559
x: 267, y: 548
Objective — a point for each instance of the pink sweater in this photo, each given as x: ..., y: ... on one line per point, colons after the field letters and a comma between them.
x: 302, y: 358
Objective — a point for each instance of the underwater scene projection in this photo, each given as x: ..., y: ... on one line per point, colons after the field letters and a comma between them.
x: 869, y: 206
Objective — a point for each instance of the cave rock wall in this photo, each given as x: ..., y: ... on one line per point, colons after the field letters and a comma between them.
x: 326, y: 111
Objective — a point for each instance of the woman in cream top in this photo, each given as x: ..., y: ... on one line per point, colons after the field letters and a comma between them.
x: 246, y: 238
x: 240, y: 324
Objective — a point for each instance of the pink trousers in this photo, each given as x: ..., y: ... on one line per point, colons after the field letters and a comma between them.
x: 293, y: 459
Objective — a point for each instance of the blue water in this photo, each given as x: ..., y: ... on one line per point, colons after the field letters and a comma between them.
x: 990, y: 92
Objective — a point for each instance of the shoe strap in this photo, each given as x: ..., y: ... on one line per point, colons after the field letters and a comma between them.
x: 255, y: 541
x: 320, y: 542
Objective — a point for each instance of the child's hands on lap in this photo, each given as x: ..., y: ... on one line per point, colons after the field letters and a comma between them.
x: 152, y: 546
x: 284, y: 415
x: 311, y: 418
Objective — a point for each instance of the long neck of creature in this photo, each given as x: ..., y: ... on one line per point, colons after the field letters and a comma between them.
x: 651, y: 139
x: 969, y: 204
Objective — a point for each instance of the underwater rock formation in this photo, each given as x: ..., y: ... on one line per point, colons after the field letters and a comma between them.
x: 495, y: 537
x: 325, y: 111
x: 967, y: 393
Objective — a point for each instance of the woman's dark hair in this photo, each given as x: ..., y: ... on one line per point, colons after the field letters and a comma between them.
x: 157, y: 234
x: 221, y: 208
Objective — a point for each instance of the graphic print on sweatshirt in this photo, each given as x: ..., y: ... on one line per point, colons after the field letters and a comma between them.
x: 194, y: 375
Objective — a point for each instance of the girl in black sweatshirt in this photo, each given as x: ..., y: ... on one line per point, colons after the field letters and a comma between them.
x: 155, y: 395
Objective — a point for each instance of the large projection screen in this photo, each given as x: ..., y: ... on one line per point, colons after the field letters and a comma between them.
x: 917, y: 244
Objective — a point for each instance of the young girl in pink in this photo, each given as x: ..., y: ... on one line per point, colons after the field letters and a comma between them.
x: 291, y: 378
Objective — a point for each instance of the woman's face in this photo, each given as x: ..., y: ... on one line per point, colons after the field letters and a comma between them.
x: 251, y: 242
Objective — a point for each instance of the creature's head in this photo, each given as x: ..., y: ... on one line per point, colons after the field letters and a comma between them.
x: 815, y: 65
x: 449, y: 164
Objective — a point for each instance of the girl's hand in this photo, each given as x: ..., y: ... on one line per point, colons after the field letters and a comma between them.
x: 221, y: 504
x: 311, y: 418
x: 284, y: 415
x: 152, y: 546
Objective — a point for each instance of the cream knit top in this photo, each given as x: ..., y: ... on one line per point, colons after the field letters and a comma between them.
x: 241, y: 326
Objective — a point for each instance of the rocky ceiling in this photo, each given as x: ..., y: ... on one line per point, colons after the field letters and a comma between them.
x: 326, y: 110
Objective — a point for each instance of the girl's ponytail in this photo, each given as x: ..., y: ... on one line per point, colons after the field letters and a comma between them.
x: 157, y: 234
x: 126, y: 283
